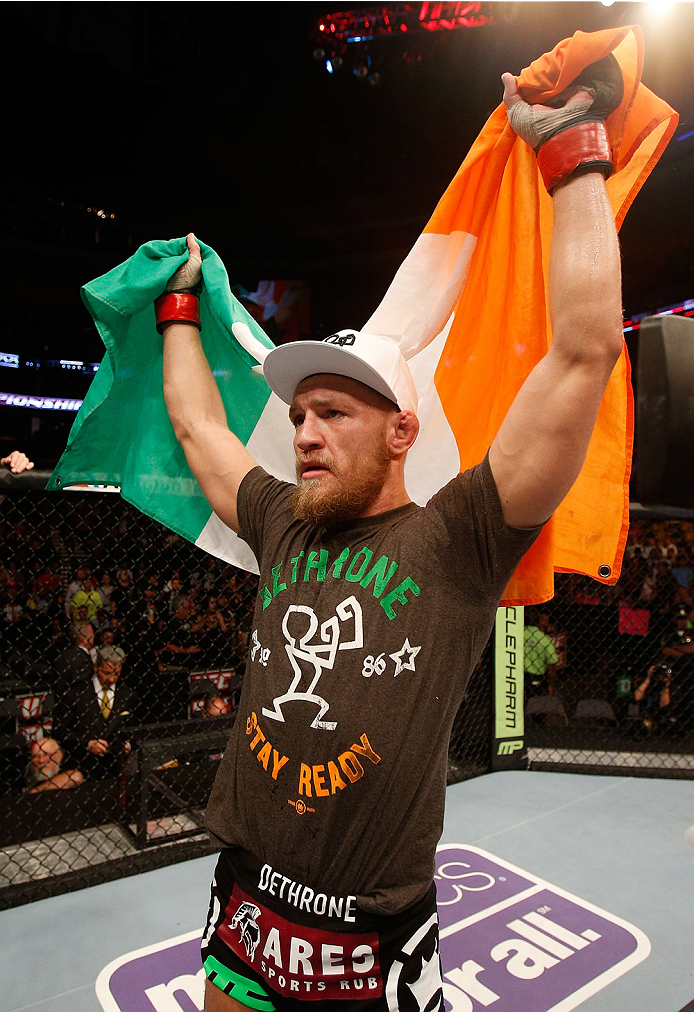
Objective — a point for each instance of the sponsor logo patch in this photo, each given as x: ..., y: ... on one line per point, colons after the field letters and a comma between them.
x: 343, y: 340
x: 299, y: 961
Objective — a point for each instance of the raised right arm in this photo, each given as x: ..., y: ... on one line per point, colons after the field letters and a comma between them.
x: 216, y: 457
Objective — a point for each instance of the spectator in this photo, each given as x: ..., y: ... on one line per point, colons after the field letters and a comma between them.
x: 43, y: 771
x: 148, y: 609
x: 46, y: 587
x: 58, y: 640
x: 662, y: 571
x: 648, y: 547
x: 13, y: 610
x: 92, y: 717
x: 623, y: 694
x: 75, y: 665
x: 633, y: 580
x: 207, y: 577
x: 653, y: 694
x: 682, y: 570
x: 106, y: 589
x: 124, y: 594
x: 540, y: 656
x: 683, y: 597
x: 678, y: 641
x: 213, y: 618
x: 17, y: 462
x: 632, y: 546
x: 173, y: 588
x: 88, y: 599
x: 214, y: 629
x: 180, y: 640
x: 117, y: 628
x: 75, y: 585
x: 678, y: 649
x: 111, y: 633
x: 668, y: 548
x: 215, y: 706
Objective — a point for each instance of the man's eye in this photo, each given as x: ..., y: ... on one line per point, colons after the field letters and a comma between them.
x: 297, y: 420
x: 334, y: 413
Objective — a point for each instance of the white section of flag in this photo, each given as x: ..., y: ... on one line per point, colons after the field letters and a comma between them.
x: 417, y: 311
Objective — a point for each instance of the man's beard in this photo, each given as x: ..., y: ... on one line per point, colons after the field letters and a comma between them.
x: 345, y: 496
x: 46, y: 772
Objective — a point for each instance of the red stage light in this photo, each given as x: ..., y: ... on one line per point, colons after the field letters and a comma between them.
x: 431, y: 15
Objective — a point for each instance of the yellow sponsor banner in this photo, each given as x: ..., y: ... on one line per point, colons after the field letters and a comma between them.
x: 508, y: 680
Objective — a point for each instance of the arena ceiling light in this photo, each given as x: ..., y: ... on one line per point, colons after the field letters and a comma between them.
x: 660, y: 7
x: 350, y: 38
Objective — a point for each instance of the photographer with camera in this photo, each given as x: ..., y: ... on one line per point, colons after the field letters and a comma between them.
x: 653, y: 694
x: 678, y: 650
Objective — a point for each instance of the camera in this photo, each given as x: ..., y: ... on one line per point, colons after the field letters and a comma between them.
x: 660, y: 676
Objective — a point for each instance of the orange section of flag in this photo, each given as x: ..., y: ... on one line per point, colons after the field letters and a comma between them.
x: 501, y: 326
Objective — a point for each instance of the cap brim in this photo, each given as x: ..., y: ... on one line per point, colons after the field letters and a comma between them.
x: 285, y: 367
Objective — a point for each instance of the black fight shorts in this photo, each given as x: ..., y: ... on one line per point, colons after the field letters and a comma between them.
x: 275, y: 944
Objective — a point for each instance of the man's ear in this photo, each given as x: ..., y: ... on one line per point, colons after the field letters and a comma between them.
x: 404, y: 432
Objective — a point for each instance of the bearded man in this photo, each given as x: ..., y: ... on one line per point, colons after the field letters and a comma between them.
x: 43, y: 771
x: 373, y: 611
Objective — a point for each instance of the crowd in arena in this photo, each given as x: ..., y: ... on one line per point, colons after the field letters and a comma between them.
x: 114, y: 628
x: 629, y: 646
x: 112, y: 614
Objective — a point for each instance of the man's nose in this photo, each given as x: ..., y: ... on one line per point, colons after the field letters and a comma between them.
x: 308, y: 435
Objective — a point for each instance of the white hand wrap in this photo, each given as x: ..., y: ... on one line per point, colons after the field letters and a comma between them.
x: 535, y: 125
x: 187, y: 276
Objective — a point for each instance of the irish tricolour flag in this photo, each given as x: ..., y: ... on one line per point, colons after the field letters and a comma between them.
x: 468, y: 307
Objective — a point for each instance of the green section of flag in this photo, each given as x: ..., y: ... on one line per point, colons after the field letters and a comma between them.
x: 122, y: 434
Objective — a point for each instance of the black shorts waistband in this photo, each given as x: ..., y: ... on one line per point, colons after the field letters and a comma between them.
x: 294, y: 899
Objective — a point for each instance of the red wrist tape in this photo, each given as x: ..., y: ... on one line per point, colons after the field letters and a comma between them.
x: 177, y: 307
x: 584, y: 147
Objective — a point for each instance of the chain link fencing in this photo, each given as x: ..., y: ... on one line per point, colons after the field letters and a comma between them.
x: 609, y: 671
x: 95, y: 596
x: 123, y: 654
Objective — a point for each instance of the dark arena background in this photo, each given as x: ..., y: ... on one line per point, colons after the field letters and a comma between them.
x: 308, y: 146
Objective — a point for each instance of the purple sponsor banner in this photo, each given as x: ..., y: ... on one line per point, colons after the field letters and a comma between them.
x: 469, y: 881
x: 159, y: 978
x: 509, y: 940
x: 521, y: 943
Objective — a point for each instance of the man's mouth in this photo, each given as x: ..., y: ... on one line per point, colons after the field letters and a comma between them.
x: 313, y: 469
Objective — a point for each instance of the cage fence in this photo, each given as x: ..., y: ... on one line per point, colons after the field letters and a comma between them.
x: 609, y: 671
x: 123, y: 651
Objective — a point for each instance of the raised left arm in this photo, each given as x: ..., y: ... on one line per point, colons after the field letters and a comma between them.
x: 540, y: 447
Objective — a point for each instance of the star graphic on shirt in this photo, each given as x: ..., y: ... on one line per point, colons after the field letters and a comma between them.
x: 398, y: 657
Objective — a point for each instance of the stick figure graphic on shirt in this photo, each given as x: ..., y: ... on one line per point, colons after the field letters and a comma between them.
x: 316, y: 657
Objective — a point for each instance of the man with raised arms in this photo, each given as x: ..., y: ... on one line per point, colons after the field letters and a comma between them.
x: 372, y: 612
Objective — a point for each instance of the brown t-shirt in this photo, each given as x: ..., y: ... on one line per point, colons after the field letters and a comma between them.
x: 363, y: 639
